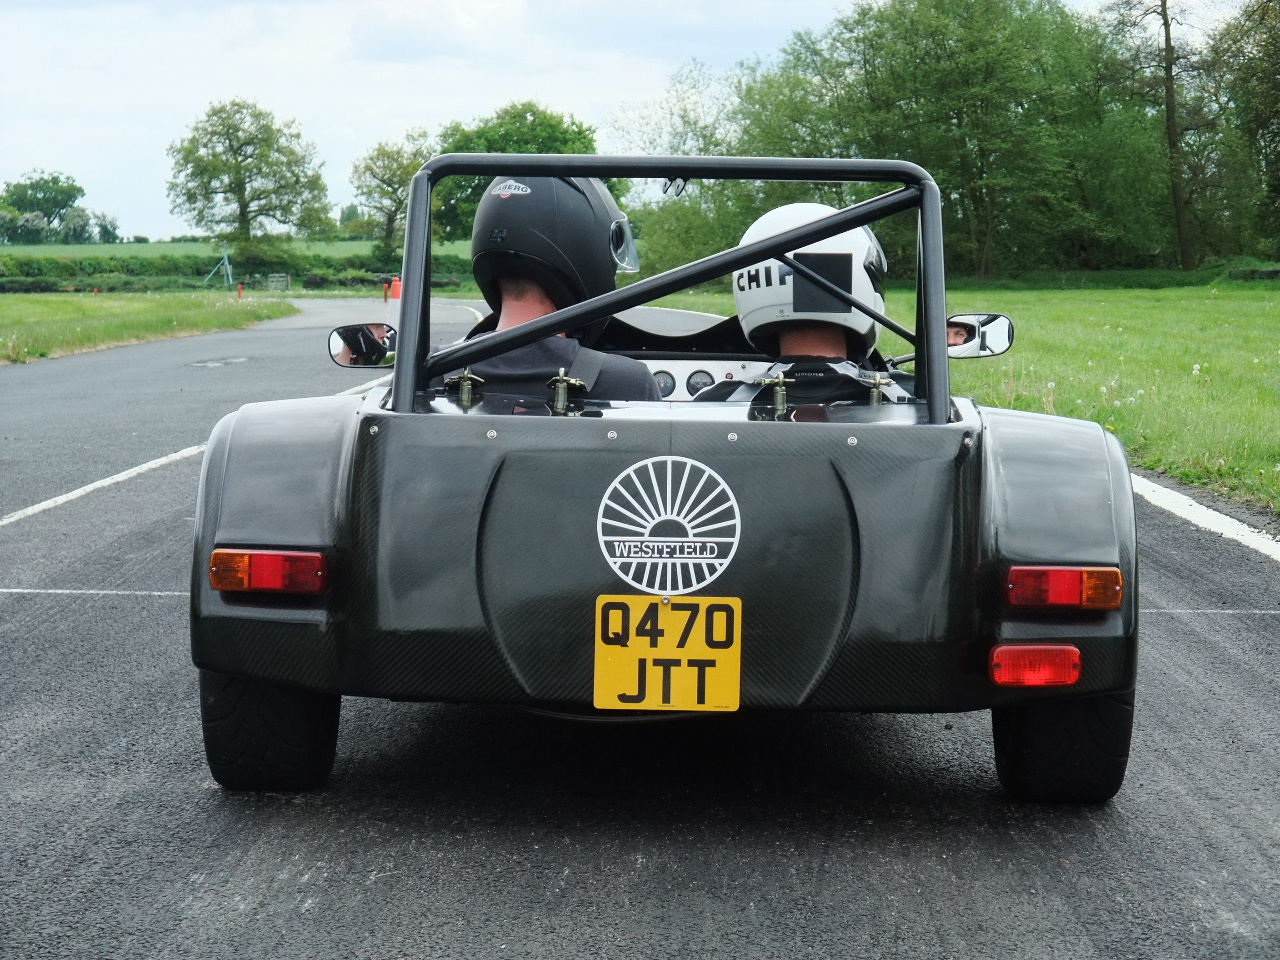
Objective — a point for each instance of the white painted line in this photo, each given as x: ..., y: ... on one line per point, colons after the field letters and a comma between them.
x: 99, y: 484
x: 1209, y: 611
x: 364, y: 387
x: 105, y: 593
x: 144, y: 467
x: 459, y: 304
x: 694, y: 313
x: 1197, y: 513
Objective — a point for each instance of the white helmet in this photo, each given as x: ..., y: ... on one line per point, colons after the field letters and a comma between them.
x: 767, y: 295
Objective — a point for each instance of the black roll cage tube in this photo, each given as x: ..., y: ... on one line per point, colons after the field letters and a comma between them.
x: 846, y: 297
x: 918, y: 191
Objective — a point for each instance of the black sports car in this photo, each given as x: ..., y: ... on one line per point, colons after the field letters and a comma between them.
x: 899, y: 550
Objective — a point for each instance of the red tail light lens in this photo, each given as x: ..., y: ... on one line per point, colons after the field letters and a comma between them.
x: 1035, y: 665
x: 276, y: 571
x: 1089, y: 588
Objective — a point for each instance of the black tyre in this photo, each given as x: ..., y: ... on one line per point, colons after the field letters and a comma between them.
x: 263, y: 736
x: 1065, y: 751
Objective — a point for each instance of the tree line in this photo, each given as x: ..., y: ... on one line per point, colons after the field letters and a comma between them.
x: 1059, y: 140
x: 44, y: 208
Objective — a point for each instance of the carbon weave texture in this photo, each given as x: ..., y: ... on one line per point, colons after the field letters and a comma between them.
x: 467, y: 565
x: 543, y: 568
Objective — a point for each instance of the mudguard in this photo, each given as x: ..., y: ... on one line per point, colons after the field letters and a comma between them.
x: 1058, y: 491
x: 274, y: 474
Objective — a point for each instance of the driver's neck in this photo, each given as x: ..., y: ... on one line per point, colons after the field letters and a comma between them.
x: 812, y: 340
x: 517, y: 311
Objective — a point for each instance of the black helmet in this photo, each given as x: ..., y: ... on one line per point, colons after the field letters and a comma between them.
x: 565, y: 233
x: 366, y: 349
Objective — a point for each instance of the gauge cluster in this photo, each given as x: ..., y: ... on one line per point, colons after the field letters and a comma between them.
x: 682, y: 379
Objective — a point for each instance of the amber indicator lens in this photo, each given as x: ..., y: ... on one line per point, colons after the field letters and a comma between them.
x: 1035, y: 665
x: 277, y: 571
x: 1089, y: 588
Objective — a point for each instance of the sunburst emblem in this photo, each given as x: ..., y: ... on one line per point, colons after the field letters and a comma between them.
x: 668, y: 525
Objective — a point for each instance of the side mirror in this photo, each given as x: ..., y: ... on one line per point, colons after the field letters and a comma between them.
x: 984, y: 335
x: 363, y: 345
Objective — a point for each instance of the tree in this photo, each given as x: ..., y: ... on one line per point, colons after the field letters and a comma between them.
x: 381, y: 180
x: 239, y: 171
x: 524, y: 127
x: 48, y: 194
x: 999, y: 99
x: 1017, y: 107
x: 1165, y: 60
x: 8, y: 223
x: 699, y: 114
x: 355, y: 225
x: 76, y: 226
x: 30, y: 228
x: 1248, y: 48
x: 106, y: 227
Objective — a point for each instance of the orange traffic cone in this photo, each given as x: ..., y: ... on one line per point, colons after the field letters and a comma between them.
x: 393, y: 305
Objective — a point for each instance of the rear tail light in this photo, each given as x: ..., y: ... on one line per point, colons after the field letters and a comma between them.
x: 1035, y: 665
x: 276, y: 571
x: 1089, y: 588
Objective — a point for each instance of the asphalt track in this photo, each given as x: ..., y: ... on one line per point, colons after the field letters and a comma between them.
x: 486, y: 832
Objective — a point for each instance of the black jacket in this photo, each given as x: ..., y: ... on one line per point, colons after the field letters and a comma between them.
x: 524, y: 372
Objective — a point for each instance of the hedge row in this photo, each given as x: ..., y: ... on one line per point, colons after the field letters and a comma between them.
x: 120, y: 283
x: 362, y: 278
x: 104, y: 282
x: 78, y: 268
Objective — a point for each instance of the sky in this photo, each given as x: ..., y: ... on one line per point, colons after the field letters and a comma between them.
x: 98, y: 89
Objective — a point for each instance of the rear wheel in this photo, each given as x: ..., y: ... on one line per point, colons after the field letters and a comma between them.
x: 1064, y: 751
x: 263, y: 736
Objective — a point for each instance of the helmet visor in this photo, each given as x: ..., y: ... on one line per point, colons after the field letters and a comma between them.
x: 623, y: 246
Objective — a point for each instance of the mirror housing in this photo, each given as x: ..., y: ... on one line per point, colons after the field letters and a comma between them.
x: 363, y: 345
x: 989, y: 335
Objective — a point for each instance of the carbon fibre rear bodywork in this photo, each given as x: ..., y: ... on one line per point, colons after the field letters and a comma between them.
x: 465, y: 567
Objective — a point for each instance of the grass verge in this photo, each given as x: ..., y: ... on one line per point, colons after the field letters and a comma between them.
x: 53, y: 324
x: 1188, y: 378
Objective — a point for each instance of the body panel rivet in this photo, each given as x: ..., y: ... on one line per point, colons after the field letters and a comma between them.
x: 613, y: 434
x: 492, y: 434
x: 373, y: 429
x: 733, y: 436
x: 853, y: 441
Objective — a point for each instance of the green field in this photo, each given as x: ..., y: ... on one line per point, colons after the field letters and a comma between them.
x: 1188, y: 378
x: 39, y: 325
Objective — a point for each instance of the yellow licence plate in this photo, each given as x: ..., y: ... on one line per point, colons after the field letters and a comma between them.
x: 668, y: 653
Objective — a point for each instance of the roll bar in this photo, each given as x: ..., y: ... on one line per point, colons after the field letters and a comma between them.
x: 918, y: 190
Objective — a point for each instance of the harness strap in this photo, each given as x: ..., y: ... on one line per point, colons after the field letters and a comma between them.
x: 586, y: 367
